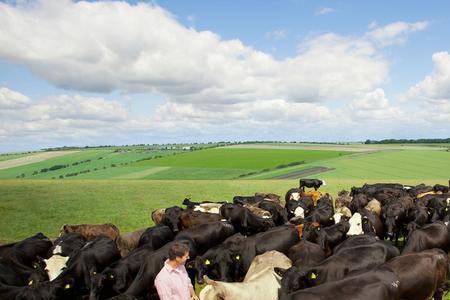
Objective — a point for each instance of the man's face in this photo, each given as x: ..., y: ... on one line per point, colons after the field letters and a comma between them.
x: 182, y: 260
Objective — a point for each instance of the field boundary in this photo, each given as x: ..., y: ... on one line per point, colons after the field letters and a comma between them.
x: 30, y: 159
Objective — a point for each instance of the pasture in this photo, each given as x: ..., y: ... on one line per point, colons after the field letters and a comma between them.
x: 30, y: 206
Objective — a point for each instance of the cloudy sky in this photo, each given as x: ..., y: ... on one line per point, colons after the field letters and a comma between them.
x: 93, y: 73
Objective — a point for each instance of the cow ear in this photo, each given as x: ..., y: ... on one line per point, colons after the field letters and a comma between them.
x: 190, y: 265
x: 280, y: 271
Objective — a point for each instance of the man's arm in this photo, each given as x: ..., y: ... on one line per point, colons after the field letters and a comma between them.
x: 193, y: 295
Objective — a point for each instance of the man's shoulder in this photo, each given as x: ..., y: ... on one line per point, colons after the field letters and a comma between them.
x: 161, y: 274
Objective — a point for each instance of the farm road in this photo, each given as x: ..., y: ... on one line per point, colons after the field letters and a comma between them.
x: 33, y: 158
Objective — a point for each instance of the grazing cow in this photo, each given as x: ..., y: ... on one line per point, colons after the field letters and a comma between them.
x: 172, y: 218
x: 69, y: 243
x: 92, y: 231
x: 158, y: 215
x: 129, y: 241
x: 243, y: 220
x: 261, y: 282
x: 156, y: 236
x: 306, y: 254
x: 190, y: 218
x: 311, y: 183
x: 433, y: 235
x: 421, y: 275
x: 206, y: 236
x: 377, y: 284
x: 336, y: 266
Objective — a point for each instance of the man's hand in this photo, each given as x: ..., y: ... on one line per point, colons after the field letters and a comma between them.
x: 194, y: 297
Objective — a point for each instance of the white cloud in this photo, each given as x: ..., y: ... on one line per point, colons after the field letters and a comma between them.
x: 324, y: 11
x: 138, y: 48
x: 276, y: 34
x: 394, y: 33
x: 12, y: 100
x: 434, y: 88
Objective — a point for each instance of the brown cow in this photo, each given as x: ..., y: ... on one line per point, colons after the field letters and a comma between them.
x: 422, y: 275
x: 129, y: 241
x: 91, y: 231
x: 374, y: 206
x: 190, y: 218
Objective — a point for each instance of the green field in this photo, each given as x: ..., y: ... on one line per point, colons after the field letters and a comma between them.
x: 31, y: 206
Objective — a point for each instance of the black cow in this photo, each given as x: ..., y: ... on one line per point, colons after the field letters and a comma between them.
x: 243, y: 220
x: 358, y: 202
x: 172, y: 218
x: 16, y: 274
x: 156, y: 236
x: 207, y: 264
x: 377, y: 284
x: 69, y: 243
x: 279, y: 214
x: 246, y: 199
x: 421, y: 275
x: 305, y: 254
x: 234, y: 262
x: 437, y: 207
x: 84, y: 265
x: 440, y: 188
x: 117, y: 277
x: 417, y: 217
x: 311, y: 183
x: 394, y: 218
x: 433, y: 235
x: 26, y: 251
x: 331, y: 236
x: 206, y: 236
x: 336, y: 266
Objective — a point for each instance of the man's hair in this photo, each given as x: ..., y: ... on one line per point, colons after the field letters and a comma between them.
x: 177, y: 250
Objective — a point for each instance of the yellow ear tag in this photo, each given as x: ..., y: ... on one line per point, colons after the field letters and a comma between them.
x: 446, y: 209
x: 30, y: 282
x: 94, y: 273
x: 111, y: 276
x: 67, y: 286
x: 238, y: 257
x: 313, y: 276
x: 207, y: 262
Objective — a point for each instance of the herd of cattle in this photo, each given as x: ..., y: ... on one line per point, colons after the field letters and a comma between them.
x: 379, y: 241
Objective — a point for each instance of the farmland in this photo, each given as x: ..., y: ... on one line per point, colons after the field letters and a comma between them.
x: 125, y: 184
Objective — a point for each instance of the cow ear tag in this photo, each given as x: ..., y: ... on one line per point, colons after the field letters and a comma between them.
x: 238, y: 257
x: 30, y: 282
x: 446, y: 209
x: 67, y: 286
x: 111, y: 276
x: 207, y: 262
x: 313, y: 276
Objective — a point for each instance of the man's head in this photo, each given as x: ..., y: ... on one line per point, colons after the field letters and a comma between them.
x: 179, y: 252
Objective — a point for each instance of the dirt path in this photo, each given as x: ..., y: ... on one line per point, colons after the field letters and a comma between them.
x: 33, y: 158
x: 303, y: 173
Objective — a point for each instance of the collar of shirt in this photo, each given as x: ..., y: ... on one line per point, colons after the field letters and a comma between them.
x: 169, y: 268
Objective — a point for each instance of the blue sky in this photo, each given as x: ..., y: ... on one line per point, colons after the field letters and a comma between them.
x: 90, y: 73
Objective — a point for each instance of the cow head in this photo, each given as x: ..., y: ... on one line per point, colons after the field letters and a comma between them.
x: 172, y: 218
x: 294, y: 279
x: 355, y: 225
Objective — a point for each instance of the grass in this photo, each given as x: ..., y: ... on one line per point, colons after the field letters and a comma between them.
x: 8, y: 156
x: 31, y: 206
x: 387, y: 164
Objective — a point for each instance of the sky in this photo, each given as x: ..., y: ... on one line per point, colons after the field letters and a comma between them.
x: 76, y: 73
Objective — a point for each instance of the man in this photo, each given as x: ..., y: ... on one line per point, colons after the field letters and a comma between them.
x: 172, y: 282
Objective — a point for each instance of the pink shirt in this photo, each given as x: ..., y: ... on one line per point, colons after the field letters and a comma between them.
x: 173, y: 283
